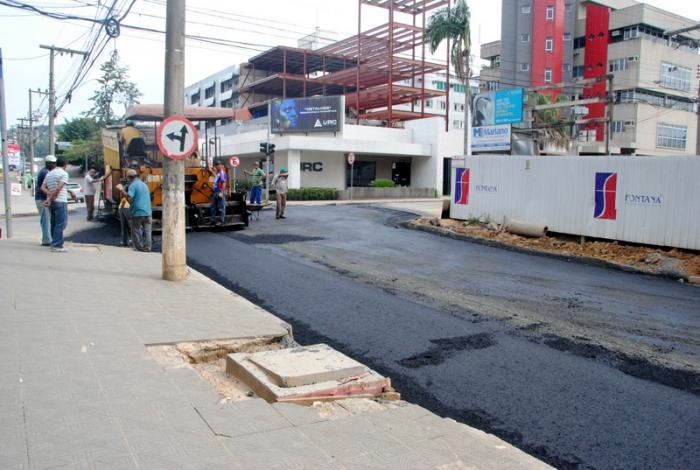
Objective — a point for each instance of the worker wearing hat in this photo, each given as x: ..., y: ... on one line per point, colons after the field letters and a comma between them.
x: 279, y: 183
x: 139, y: 197
x: 39, y: 198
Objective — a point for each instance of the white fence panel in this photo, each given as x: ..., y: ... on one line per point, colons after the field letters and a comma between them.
x: 650, y: 200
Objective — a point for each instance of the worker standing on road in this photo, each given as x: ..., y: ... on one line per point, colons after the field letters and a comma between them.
x: 125, y: 219
x: 89, y: 183
x: 39, y: 198
x: 54, y: 187
x: 139, y: 198
x: 279, y: 183
x: 257, y: 178
x: 218, y: 197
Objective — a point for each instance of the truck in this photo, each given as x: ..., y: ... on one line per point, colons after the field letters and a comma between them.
x: 144, y: 156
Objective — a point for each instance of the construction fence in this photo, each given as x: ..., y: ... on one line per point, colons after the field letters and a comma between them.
x: 649, y: 200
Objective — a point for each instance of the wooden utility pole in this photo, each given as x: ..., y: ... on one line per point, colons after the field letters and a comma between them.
x: 52, y: 91
x: 174, y: 246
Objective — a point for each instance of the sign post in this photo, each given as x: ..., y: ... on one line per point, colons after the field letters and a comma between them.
x: 5, y: 156
x: 234, y: 162
x: 351, y: 162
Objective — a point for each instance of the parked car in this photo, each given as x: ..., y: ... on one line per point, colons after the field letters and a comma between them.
x: 75, y: 192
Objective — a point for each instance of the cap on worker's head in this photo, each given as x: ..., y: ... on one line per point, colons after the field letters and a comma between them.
x: 283, y: 170
x: 131, y: 173
x: 50, y: 159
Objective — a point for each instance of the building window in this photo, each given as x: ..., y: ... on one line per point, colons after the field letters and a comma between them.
x: 566, y: 67
x: 458, y: 88
x: 674, y: 76
x: 548, y: 45
x: 630, y: 33
x: 227, y: 103
x: 525, y: 9
x: 671, y: 137
x: 524, y: 38
x: 567, y: 37
x: 550, y: 13
x: 569, y: 7
x: 493, y: 85
x: 618, y: 127
x: 227, y: 84
x: 428, y: 103
x: 524, y: 67
x: 209, y: 92
x: 548, y: 75
x: 442, y: 104
x: 458, y: 107
x: 577, y: 72
x: 580, y: 42
x: 618, y: 65
x: 457, y: 124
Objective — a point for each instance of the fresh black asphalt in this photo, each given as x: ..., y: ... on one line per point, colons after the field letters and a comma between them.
x: 569, y: 410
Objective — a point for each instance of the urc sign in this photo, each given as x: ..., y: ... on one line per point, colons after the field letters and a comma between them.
x: 312, y: 166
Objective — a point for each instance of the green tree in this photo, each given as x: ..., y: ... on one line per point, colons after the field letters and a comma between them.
x: 550, y: 127
x: 453, y: 24
x: 78, y: 129
x: 115, y: 89
x: 88, y: 150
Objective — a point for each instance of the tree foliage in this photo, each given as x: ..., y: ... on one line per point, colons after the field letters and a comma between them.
x: 89, y: 149
x: 550, y: 126
x: 453, y: 24
x: 115, y: 91
x: 78, y: 129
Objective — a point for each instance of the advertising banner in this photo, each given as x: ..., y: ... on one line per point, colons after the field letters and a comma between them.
x: 491, y: 138
x: 317, y: 114
x: 498, y: 107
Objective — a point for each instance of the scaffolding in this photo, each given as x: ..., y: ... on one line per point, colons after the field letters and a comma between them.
x: 376, y: 70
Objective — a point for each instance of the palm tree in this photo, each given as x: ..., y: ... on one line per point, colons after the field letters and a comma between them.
x: 550, y: 127
x: 453, y: 23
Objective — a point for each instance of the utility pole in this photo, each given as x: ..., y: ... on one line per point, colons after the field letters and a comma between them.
x: 174, y: 247
x: 5, y: 156
x: 267, y: 152
x: 52, y: 90
x: 609, y: 107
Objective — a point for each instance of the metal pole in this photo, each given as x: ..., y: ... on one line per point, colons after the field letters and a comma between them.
x: 5, y: 157
x: 31, y: 139
x: 174, y: 246
x: 352, y: 179
x: 52, y: 106
x: 610, y: 105
x: 267, y: 153
x: 697, y: 131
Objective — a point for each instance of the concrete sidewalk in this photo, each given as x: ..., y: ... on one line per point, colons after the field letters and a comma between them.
x: 81, y: 389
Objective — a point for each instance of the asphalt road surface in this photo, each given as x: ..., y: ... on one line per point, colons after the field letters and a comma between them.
x: 581, y: 366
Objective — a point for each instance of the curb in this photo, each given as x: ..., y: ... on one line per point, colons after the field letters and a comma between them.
x: 531, y: 251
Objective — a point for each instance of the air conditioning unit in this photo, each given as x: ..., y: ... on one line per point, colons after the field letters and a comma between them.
x: 633, y: 58
x: 630, y: 123
x: 615, y: 33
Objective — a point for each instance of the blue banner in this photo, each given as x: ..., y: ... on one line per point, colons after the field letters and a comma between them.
x: 498, y: 107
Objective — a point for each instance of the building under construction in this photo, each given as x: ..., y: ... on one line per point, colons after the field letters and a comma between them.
x: 377, y: 70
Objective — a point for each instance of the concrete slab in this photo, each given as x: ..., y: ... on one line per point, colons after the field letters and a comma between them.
x: 306, y: 365
x: 369, y: 385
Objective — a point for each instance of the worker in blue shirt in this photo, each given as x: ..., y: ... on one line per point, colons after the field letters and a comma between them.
x: 139, y: 197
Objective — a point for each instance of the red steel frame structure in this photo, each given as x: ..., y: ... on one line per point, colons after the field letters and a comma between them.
x: 365, y: 68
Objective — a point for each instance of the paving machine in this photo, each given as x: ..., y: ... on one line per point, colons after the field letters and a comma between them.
x: 143, y: 155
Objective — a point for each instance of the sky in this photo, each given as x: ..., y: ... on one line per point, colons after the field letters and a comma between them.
x: 254, y: 26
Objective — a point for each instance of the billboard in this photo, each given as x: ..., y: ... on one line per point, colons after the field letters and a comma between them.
x: 491, y: 138
x: 498, y: 107
x: 317, y: 114
x: 14, y: 157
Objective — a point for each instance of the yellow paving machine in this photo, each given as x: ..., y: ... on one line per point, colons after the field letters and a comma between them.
x: 134, y: 147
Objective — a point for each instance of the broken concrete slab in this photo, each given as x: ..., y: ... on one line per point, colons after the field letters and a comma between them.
x: 369, y: 384
x: 306, y: 365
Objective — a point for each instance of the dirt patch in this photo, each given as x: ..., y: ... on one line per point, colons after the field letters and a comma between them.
x: 207, y: 359
x: 674, y: 262
x: 447, y: 347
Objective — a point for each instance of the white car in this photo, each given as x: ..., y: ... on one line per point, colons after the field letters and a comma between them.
x: 75, y: 192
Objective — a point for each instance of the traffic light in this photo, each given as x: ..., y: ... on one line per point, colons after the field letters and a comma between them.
x: 263, y: 148
x: 271, y: 148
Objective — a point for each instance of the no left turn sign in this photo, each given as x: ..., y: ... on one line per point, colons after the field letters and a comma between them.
x: 234, y: 162
x: 177, y: 137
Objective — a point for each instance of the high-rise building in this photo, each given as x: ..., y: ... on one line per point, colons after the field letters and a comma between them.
x: 655, y: 74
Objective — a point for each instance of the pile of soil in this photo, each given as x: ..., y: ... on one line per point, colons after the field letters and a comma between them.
x: 676, y: 263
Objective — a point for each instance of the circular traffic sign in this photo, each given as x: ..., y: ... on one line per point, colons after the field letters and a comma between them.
x: 351, y: 158
x: 177, y: 137
x: 234, y: 162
